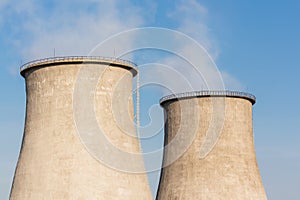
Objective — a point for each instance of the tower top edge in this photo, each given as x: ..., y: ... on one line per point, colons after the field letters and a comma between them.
x: 79, y: 59
x: 208, y: 93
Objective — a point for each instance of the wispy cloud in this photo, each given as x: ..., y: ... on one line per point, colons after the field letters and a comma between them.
x: 72, y: 27
x: 192, y: 19
x: 43, y: 28
x: 195, y: 52
x: 3, y: 4
x: 231, y: 82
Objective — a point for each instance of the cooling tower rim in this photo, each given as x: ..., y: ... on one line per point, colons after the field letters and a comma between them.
x: 79, y: 59
x: 208, y: 93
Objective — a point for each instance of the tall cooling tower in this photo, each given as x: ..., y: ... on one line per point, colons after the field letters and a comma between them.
x: 209, y: 148
x: 63, y: 155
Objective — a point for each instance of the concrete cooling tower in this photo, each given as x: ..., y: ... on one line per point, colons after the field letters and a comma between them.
x: 218, y: 159
x: 63, y: 154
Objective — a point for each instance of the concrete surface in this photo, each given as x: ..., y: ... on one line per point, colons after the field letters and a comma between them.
x: 54, y: 163
x: 229, y: 170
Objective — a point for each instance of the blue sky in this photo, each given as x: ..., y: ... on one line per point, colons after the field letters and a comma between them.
x: 255, y: 45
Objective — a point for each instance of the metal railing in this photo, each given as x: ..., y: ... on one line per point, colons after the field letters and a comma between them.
x: 205, y: 93
x: 77, y: 58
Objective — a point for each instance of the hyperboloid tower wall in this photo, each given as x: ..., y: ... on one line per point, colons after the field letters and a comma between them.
x: 62, y: 156
x: 220, y: 160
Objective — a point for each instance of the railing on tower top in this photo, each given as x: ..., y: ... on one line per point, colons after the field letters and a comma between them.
x: 77, y: 58
x: 212, y: 93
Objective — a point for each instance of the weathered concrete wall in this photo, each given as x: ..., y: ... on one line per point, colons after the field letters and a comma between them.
x: 230, y: 170
x: 53, y: 162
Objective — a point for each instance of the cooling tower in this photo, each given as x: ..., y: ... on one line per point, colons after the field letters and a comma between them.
x: 219, y: 160
x: 63, y: 156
